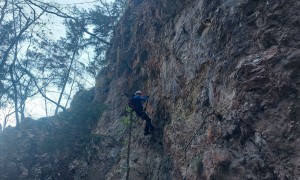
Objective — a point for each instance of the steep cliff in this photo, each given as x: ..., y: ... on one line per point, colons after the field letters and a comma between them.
x: 223, y: 80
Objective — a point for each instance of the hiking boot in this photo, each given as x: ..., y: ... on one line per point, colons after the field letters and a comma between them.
x: 147, y: 133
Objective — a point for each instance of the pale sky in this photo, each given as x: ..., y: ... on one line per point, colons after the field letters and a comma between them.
x: 58, y: 27
x: 35, y: 106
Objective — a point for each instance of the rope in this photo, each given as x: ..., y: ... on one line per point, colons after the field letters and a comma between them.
x: 193, y: 137
x: 128, y: 147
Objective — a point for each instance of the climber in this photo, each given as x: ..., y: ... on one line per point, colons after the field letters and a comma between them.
x: 137, y: 100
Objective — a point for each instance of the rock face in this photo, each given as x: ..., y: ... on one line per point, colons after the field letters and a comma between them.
x: 58, y: 147
x: 223, y: 79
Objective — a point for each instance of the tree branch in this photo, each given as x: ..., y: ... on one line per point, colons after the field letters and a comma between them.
x: 66, y: 16
x: 5, y: 119
x: 41, y: 91
x: 67, y: 77
x: 16, y: 39
x: 3, y: 11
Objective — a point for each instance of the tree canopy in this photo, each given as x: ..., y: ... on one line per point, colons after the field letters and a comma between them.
x: 33, y: 63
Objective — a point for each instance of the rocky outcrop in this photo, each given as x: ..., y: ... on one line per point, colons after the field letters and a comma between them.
x: 223, y: 80
x: 58, y: 147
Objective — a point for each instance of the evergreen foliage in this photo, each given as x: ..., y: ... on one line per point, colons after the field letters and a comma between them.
x: 34, y: 64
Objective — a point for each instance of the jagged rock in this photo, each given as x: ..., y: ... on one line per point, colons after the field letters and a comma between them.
x: 223, y: 79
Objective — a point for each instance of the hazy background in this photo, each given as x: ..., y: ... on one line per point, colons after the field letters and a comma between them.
x: 35, y: 107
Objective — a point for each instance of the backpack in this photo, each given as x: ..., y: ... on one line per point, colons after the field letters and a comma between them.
x: 131, y: 103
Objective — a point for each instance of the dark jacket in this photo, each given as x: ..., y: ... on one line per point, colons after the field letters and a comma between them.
x: 138, y: 102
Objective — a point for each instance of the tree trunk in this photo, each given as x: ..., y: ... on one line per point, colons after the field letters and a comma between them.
x: 15, y: 95
x: 65, y: 81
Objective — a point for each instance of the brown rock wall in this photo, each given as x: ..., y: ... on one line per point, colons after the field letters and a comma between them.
x: 223, y: 80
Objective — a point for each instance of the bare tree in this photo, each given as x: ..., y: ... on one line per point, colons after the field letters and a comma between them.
x: 45, y: 63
